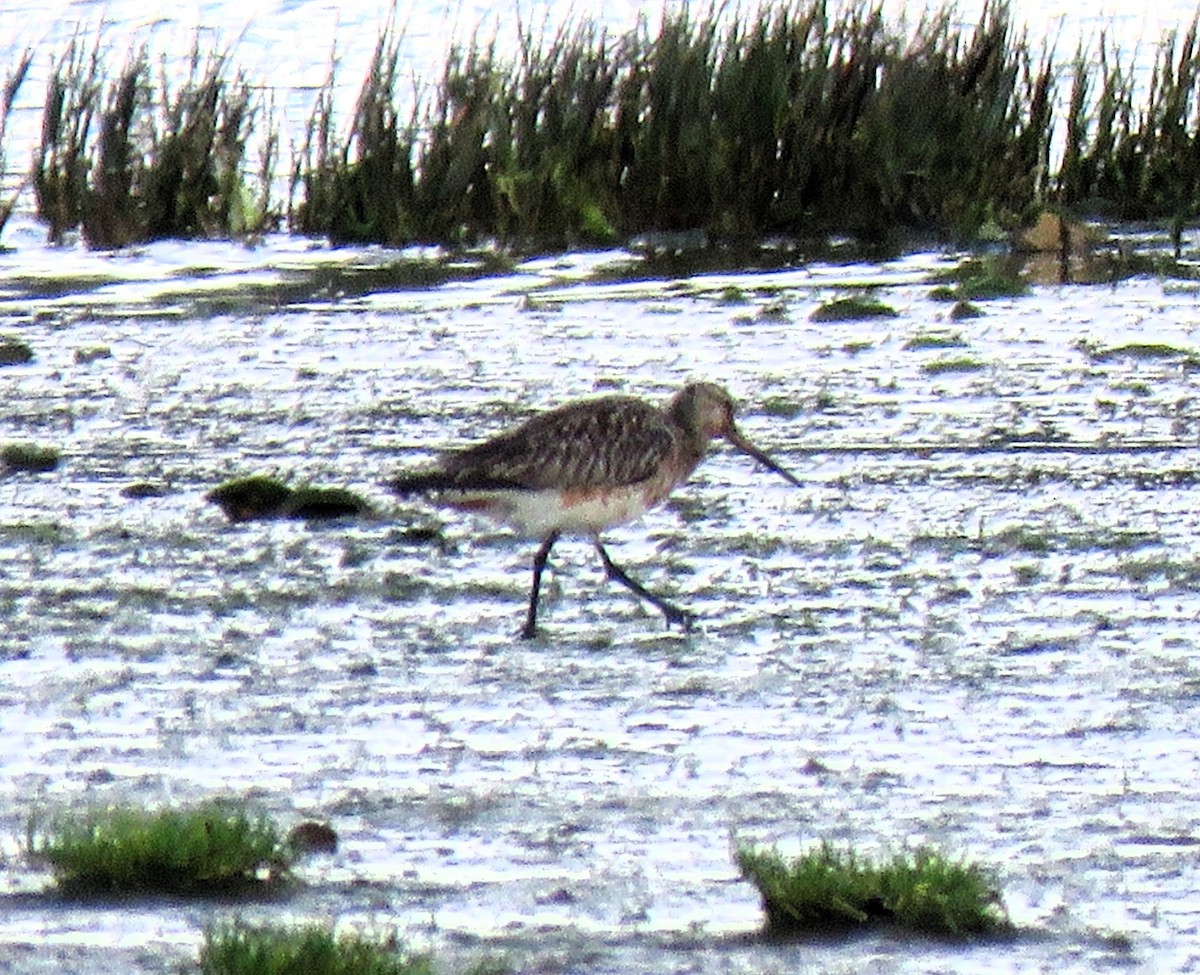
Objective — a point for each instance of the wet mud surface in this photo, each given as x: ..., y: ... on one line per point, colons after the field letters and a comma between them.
x: 975, y: 626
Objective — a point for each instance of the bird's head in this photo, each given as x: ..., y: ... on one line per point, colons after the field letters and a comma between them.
x: 708, y: 410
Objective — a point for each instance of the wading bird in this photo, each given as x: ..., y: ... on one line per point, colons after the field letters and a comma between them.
x: 585, y: 467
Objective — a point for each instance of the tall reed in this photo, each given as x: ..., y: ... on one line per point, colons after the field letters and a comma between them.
x: 1132, y: 161
x: 797, y: 120
x: 363, y: 189
x: 60, y: 173
x: 12, y: 84
x: 132, y: 160
x: 791, y: 121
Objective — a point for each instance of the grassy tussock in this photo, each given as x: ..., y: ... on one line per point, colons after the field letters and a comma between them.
x: 853, y: 309
x: 361, y: 189
x: 29, y: 457
x: 240, y: 949
x: 258, y: 496
x: 980, y: 280
x: 133, y: 159
x: 14, y: 351
x: 827, y: 889
x: 212, y: 848
x: 793, y: 121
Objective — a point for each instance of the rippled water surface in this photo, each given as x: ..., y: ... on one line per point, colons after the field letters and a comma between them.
x: 975, y: 626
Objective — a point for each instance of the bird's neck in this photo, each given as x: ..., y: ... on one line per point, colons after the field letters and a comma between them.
x: 693, y: 441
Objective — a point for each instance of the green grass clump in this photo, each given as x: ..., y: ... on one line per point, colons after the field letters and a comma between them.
x: 212, y: 848
x: 14, y: 352
x: 92, y: 353
x: 36, y: 533
x: 935, y: 340
x: 1179, y: 574
x: 247, y: 498
x: 312, y: 950
x: 29, y: 457
x: 258, y: 496
x: 827, y: 889
x: 315, y: 503
x: 979, y: 280
x: 852, y: 310
x: 1138, y: 350
x: 783, y: 407
x: 941, y: 367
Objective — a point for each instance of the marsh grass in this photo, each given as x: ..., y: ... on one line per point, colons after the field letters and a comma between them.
x: 32, y: 458
x: 797, y: 122
x: 131, y: 159
x: 827, y: 889
x: 1130, y: 159
x: 12, y: 84
x: 363, y: 188
x: 793, y: 121
x: 240, y: 949
x: 212, y: 848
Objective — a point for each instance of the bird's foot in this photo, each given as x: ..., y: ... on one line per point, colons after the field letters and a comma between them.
x: 682, y: 618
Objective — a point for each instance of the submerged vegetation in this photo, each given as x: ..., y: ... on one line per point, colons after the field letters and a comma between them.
x: 215, y: 847
x: 795, y: 122
x: 826, y: 889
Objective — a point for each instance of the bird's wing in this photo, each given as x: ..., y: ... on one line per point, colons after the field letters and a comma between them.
x: 606, y: 442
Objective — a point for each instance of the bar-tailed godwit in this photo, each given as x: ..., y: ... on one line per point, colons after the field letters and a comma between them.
x: 585, y: 467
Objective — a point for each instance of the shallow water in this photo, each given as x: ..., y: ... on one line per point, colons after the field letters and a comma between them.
x: 945, y: 637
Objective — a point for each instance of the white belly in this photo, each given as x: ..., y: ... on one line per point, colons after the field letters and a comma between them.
x: 539, y: 513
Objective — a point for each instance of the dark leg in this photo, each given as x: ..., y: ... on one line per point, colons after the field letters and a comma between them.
x: 539, y: 566
x: 672, y: 612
